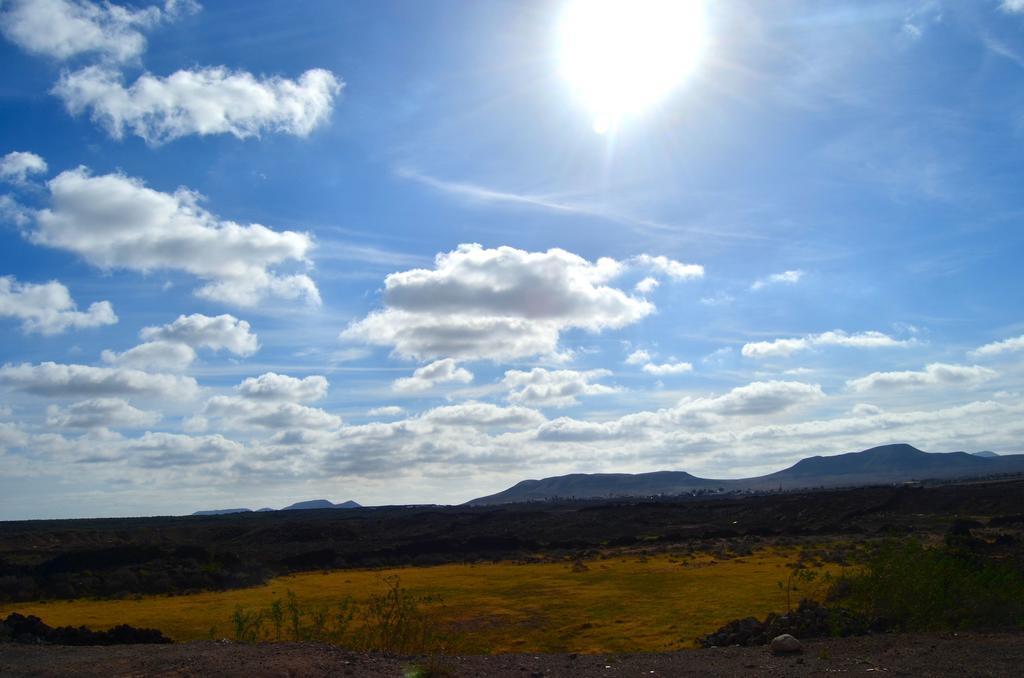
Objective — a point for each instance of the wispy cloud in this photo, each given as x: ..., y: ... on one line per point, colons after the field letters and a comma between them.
x: 340, y: 250
x: 1000, y: 48
x: 563, y: 204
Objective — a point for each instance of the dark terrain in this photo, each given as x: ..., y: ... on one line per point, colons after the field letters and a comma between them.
x: 981, y: 519
x: 127, y: 556
x: 917, y: 654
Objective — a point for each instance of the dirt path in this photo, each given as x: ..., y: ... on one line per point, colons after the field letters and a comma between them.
x: 966, y: 654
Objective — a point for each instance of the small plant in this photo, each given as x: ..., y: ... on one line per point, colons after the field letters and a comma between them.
x: 433, y: 667
x: 343, y: 616
x: 318, y: 617
x: 393, y: 621
x: 276, y: 615
x: 799, y: 574
x: 294, y: 616
x: 247, y: 625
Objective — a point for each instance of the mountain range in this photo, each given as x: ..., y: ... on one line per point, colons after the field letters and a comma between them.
x: 886, y: 464
x: 299, y: 506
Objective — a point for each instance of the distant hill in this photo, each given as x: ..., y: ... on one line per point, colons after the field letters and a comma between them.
x: 988, y: 454
x: 600, y: 485
x: 885, y: 464
x: 221, y: 512
x: 879, y: 465
x: 320, y: 504
x: 312, y: 504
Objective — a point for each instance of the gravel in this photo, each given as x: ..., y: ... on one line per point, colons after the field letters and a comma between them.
x: 936, y: 654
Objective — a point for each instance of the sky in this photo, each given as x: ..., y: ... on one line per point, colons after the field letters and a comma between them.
x: 414, y: 252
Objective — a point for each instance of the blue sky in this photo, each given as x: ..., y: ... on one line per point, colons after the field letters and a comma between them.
x: 372, y: 250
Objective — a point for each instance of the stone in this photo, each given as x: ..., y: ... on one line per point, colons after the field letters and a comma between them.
x: 785, y: 644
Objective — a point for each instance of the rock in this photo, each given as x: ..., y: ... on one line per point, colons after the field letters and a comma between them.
x: 785, y: 644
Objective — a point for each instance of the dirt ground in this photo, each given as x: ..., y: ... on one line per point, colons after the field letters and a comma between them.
x: 964, y: 654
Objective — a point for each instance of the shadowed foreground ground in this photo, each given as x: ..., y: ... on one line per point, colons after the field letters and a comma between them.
x: 965, y: 654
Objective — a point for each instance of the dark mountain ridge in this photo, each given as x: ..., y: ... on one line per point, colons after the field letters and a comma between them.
x: 881, y: 465
x: 221, y: 512
x: 298, y: 506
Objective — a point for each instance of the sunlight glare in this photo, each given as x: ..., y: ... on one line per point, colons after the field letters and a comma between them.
x: 623, y: 56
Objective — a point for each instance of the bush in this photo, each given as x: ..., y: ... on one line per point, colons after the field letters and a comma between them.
x: 906, y: 586
x: 32, y: 630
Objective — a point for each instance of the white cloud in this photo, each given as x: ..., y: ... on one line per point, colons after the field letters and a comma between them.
x: 569, y: 430
x: 865, y: 410
x: 153, y: 355
x: 936, y: 374
x: 756, y: 398
x: 443, y: 438
x: 204, y: 101
x: 281, y: 387
x: 670, y: 267
x: 11, y: 436
x: 67, y: 381
x: 428, y: 376
x: 1013, y: 6
x: 498, y: 304
x: 553, y: 388
x: 786, y: 347
x: 637, y: 357
x: 99, y: 447
x: 224, y: 331
x: 483, y: 415
x: 114, y: 221
x: 195, y: 424
x: 646, y: 285
x: 243, y: 413
x: 164, y: 450
x: 738, y: 433
x: 667, y: 368
x: 271, y: 401
x: 172, y: 347
x: 62, y: 29
x: 999, y: 347
x: 784, y: 278
x: 16, y: 166
x: 386, y: 411
x: 48, y: 308
x: 646, y: 428
x: 100, y: 413
x: 13, y: 212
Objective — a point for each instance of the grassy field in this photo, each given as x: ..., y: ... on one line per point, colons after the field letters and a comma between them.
x: 619, y: 604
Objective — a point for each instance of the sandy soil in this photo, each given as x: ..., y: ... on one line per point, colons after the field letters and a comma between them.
x: 965, y: 654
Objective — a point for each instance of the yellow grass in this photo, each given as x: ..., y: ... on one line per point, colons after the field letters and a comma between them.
x: 621, y: 604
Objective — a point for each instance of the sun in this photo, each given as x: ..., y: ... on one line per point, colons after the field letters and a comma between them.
x: 622, y: 56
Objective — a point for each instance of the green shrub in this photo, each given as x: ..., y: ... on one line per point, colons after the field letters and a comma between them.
x: 907, y: 586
